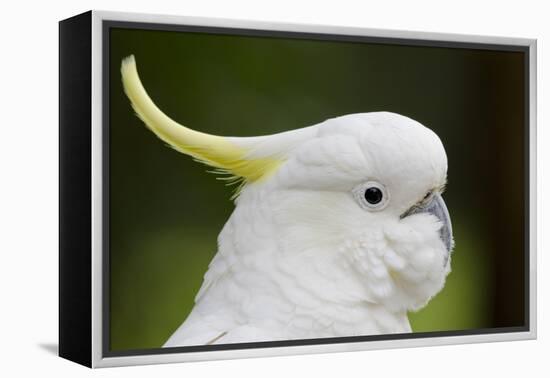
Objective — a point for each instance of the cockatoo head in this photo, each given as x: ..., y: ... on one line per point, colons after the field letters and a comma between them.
x: 356, y: 199
x: 369, y: 185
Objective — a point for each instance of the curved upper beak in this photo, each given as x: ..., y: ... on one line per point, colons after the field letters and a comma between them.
x: 438, y: 208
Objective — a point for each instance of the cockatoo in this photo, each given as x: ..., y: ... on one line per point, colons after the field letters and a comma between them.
x: 339, y: 229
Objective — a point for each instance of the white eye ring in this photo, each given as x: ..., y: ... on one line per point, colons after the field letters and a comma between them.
x: 371, y: 196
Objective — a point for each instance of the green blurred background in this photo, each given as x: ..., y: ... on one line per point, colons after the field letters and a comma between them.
x: 166, y: 211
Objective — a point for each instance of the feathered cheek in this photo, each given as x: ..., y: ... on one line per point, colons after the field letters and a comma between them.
x: 425, y: 262
x: 420, y: 248
x: 396, y: 252
x: 375, y: 263
x: 404, y: 267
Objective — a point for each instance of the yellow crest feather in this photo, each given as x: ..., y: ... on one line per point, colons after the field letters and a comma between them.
x: 213, y: 150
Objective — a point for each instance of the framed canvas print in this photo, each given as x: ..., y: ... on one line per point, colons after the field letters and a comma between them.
x: 236, y: 189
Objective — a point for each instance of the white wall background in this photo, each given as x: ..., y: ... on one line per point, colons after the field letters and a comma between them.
x: 28, y: 186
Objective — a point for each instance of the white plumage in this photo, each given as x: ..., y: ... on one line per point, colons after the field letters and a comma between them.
x: 305, y: 254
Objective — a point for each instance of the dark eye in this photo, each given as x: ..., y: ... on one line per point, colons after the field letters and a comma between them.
x: 373, y: 195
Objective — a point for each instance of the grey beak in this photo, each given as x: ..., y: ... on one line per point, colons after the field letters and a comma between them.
x: 438, y: 208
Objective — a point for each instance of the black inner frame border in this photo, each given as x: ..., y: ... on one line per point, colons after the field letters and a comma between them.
x: 107, y: 25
